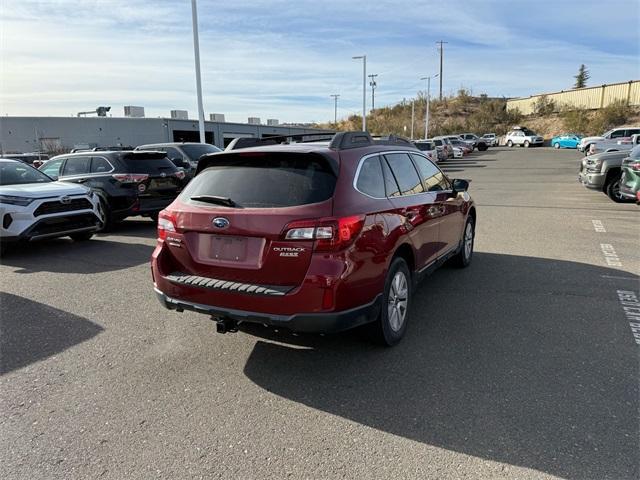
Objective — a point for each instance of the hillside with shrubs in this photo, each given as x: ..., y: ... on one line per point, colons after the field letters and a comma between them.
x: 480, y: 114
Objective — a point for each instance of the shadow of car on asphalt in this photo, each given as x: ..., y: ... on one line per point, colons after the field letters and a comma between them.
x: 63, y: 255
x: 32, y: 331
x: 517, y: 360
x: 132, y: 227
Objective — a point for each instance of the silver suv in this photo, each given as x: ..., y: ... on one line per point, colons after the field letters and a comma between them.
x: 523, y: 137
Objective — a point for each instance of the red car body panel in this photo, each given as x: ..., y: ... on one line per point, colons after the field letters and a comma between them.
x: 429, y: 225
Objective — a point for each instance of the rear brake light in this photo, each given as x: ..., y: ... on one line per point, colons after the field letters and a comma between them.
x: 180, y: 174
x: 166, y: 223
x: 330, y: 234
x: 130, y: 177
x: 635, y: 166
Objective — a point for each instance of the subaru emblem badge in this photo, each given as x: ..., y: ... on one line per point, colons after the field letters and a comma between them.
x: 65, y: 200
x: 220, y: 222
x: 163, y: 174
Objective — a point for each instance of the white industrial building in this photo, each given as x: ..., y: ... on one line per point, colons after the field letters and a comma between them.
x: 54, y: 134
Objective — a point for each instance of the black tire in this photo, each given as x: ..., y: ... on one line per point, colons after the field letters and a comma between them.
x: 510, y: 144
x: 108, y: 219
x: 556, y: 145
x: 526, y: 144
x: 482, y: 147
x: 154, y: 217
x: 612, y: 189
x: 388, y: 331
x: 81, y: 237
x: 3, y: 249
x: 463, y: 258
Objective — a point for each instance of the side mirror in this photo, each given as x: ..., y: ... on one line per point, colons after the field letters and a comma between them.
x: 460, y: 185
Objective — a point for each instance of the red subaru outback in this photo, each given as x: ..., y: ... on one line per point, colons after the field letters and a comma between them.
x: 313, y: 237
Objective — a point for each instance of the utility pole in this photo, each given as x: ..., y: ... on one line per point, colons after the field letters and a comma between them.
x: 426, y: 116
x: 196, y: 55
x: 373, y: 86
x: 441, y: 48
x: 413, y: 116
x: 335, y: 108
x: 364, y: 90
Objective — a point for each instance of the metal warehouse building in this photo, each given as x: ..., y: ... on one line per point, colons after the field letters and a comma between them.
x: 55, y: 134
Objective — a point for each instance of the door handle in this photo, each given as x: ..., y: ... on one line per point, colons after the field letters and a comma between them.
x: 81, y: 180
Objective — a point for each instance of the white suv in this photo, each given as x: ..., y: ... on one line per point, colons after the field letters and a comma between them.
x: 616, y: 134
x: 34, y: 207
x: 524, y: 138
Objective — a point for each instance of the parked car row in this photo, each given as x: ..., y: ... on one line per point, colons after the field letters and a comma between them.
x: 443, y: 147
x: 80, y: 193
x: 615, y: 173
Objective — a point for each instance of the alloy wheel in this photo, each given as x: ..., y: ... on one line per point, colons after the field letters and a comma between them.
x: 398, y: 301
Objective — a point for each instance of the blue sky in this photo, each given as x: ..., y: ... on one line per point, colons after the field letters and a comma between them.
x: 282, y: 59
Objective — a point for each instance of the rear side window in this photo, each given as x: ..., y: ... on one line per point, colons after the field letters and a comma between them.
x: 390, y: 184
x: 195, y: 150
x: 617, y: 134
x: 433, y: 179
x: 100, y: 165
x: 370, y: 180
x: 405, y: 173
x: 424, y: 146
x: 52, y: 168
x: 265, y: 180
x: 76, y: 166
x: 150, y: 163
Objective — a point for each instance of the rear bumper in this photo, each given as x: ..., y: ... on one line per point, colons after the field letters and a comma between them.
x: 329, y: 322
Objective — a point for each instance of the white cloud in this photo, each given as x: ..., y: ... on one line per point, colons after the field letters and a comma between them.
x: 282, y: 59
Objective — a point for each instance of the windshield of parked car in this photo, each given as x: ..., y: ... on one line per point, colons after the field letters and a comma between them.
x: 18, y: 173
x: 195, y: 150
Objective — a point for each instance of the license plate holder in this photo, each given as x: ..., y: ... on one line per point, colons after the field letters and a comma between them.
x: 228, y: 248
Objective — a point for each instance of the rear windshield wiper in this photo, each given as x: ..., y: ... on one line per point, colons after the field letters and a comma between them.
x: 226, y: 201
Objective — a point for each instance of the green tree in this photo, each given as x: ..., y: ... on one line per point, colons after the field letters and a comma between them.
x: 582, y: 77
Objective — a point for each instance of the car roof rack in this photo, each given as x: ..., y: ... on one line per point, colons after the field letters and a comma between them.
x: 247, y: 142
x: 347, y: 140
x: 339, y: 141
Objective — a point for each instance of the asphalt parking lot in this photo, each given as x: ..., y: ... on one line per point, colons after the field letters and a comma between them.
x: 524, y: 365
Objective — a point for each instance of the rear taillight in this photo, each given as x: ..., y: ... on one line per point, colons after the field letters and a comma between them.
x: 180, y: 174
x: 166, y: 223
x: 635, y: 166
x: 130, y: 177
x: 330, y: 234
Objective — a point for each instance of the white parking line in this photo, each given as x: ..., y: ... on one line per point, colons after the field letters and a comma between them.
x: 610, y: 255
x: 631, y: 306
x: 598, y: 226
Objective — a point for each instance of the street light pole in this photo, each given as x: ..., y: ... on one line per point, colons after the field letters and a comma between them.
x: 196, y: 54
x: 426, y: 117
x: 335, y: 108
x: 364, y: 90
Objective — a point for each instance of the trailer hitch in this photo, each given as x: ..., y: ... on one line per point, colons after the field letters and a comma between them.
x: 224, y: 325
